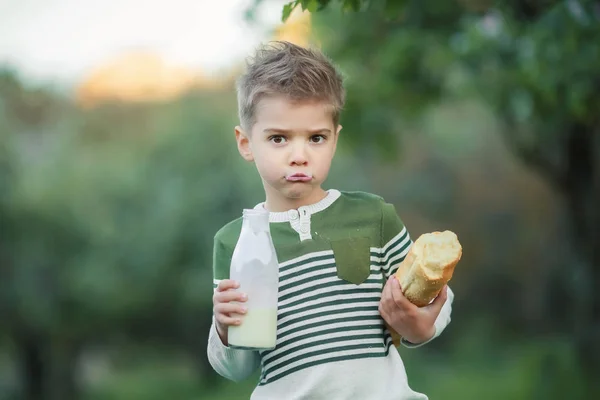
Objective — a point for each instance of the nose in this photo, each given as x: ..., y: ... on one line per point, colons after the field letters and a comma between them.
x: 298, y: 154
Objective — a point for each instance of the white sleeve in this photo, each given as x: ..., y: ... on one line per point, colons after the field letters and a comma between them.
x: 441, y: 322
x: 233, y: 364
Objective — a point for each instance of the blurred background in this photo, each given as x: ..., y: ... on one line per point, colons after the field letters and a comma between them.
x: 118, y: 165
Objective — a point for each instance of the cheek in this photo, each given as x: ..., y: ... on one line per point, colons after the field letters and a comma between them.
x: 266, y: 165
x: 324, y: 165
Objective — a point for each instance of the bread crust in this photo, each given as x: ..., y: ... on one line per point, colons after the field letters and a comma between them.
x: 421, y: 275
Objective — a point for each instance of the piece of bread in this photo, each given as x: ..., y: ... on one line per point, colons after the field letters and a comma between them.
x: 427, y: 267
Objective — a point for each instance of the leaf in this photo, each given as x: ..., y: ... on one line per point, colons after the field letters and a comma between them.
x: 287, y: 10
x: 394, y: 9
x: 312, y: 6
x: 351, y: 5
x: 322, y: 4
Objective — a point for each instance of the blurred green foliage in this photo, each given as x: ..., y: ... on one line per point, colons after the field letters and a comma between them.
x: 468, y: 118
x: 534, y: 64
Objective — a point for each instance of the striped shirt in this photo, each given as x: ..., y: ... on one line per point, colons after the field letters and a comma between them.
x: 334, y: 258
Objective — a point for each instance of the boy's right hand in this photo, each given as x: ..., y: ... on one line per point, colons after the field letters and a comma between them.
x: 224, y: 309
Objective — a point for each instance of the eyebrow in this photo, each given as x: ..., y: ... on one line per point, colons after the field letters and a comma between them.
x: 288, y: 131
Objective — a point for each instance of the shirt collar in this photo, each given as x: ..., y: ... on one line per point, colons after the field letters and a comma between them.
x: 284, y: 216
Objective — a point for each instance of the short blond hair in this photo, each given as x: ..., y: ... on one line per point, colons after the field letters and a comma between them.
x: 283, y: 68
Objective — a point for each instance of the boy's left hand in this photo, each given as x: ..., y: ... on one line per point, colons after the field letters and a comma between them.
x: 414, y: 324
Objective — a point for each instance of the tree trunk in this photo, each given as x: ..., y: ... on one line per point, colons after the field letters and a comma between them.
x: 32, y: 366
x: 582, y: 193
x: 63, y: 383
x: 575, y: 173
x: 47, y: 369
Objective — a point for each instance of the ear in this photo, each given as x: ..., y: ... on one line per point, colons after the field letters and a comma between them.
x: 243, y: 144
x: 335, y: 137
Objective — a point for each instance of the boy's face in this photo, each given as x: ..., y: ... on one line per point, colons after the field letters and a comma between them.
x: 292, y: 145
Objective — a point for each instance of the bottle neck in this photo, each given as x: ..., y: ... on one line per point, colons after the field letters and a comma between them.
x: 256, y: 220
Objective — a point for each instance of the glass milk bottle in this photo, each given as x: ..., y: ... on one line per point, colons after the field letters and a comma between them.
x: 254, y: 265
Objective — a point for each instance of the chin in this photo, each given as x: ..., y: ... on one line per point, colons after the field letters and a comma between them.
x: 295, y: 193
x: 298, y: 192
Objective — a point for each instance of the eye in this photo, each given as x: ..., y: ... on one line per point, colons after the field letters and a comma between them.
x: 318, y: 139
x: 277, y: 139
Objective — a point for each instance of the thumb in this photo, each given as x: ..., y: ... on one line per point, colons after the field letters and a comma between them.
x: 439, y: 301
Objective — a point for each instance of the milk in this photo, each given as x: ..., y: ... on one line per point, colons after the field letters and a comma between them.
x: 257, y: 330
x: 255, y: 267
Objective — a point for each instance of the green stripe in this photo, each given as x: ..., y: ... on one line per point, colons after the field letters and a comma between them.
x: 310, y: 259
x: 321, y: 333
x: 392, y: 255
x: 330, y: 303
x: 331, y: 257
x: 389, y: 256
x: 308, y: 279
x: 391, y: 246
x: 323, y: 286
x: 330, y: 274
x: 330, y: 294
x: 324, y: 313
x: 330, y: 322
x: 320, y: 342
x: 387, y: 336
x: 323, y: 351
x: 305, y: 271
x: 327, y: 360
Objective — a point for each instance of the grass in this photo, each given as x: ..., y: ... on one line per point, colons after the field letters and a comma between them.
x: 474, y: 368
x: 159, y: 378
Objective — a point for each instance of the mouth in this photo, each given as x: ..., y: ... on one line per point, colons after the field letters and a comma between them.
x: 298, y: 178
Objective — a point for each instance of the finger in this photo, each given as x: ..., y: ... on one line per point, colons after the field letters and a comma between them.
x: 227, y: 320
x: 228, y: 296
x: 230, y: 308
x: 382, y: 309
x: 399, y: 298
x: 386, y: 295
x: 227, y: 284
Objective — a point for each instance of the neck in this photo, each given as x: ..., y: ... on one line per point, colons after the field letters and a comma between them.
x: 279, y: 203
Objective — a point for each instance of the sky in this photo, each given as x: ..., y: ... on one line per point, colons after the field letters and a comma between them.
x: 60, y: 41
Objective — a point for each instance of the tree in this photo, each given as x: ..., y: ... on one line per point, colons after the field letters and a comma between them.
x: 107, y: 219
x: 537, y: 64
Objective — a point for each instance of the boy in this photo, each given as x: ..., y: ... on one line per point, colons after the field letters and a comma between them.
x: 336, y: 249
